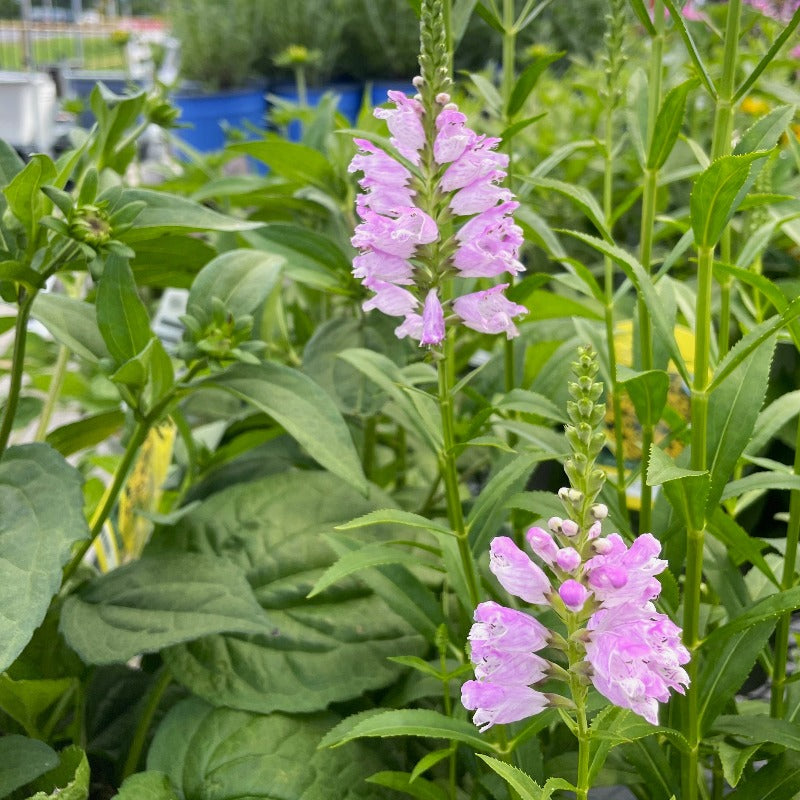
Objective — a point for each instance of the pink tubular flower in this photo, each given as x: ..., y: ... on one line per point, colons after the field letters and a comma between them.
x: 405, y: 125
x: 489, y: 244
x: 542, y: 544
x: 573, y: 594
x: 452, y: 136
x: 568, y: 558
x: 489, y: 311
x: 398, y: 235
x: 384, y: 267
x: 432, y: 320
x: 626, y: 575
x: 507, y: 629
x: 517, y: 667
x: 391, y: 299
x: 636, y: 656
x: 517, y: 573
x: 500, y: 703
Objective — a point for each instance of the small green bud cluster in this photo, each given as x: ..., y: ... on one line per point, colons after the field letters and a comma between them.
x: 586, y: 439
x: 434, y: 80
x: 614, y: 56
x: 222, y: 338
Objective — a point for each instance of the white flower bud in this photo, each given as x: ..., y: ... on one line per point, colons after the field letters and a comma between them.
x: 599, y: 511
x: 570, y: 527
x: 601, y: 546
x: 442, y: 98
x: 554, y: 523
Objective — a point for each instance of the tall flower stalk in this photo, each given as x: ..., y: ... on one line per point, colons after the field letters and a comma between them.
x: 433, y: 213
x: 602, y: 591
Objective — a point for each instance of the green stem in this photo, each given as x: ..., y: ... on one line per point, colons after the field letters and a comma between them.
x: 449, y: 472
x: 400, y: 458
x: 17, y: 365
x: 695, y: 537
x: 143, y: 725
x: 300, y: 83
x: 776, y: 705
x: 370, y: 441
x: 53, y: 392
x: 109, y: 499
x: 583, y: 755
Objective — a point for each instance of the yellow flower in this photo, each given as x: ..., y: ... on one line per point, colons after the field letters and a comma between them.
x: 754, y: 106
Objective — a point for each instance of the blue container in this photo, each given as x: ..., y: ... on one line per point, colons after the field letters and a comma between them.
x: 210, y: 114
x: 379, y: 90
x: 348, y: 102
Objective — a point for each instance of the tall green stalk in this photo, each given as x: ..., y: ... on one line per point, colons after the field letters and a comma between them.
x: 649, y: 192
x: 776, y: 705
x: 17, y: 366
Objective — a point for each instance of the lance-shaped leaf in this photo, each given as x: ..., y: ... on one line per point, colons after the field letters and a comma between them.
x: 648, y: 392
x: 528, y: 80
x: 717, y: 193
x: 41, y: 516
x: 668, y: 124
x: 22, y: 760
x: 72, y: 323
x: 685, y: 489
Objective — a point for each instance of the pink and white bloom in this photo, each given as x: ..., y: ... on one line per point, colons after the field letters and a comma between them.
x: 497, y: 703
x: 542, y: 544
x: 489, y: 311
x: 432, y: 320
x: 390, y: 299
x: 405, y: 125
x: 573, y: 594
x: 507, y: 628
x: 517, y: 574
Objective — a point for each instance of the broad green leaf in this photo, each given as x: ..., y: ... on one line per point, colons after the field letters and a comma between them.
x: 411, y: 722
x: 414, y: 787
x: 157, y: 602
x: 648, y: 392
x: 644, y: 286
x: 521, y: 783
x: 733, y: 408
x: 492, y: 20
x: 766, y: 480
x: 67, y: 781
x: 653, y: 769
x: 86, y: 432
x: 643, y: 15
x: 528, y: 80
x: 760, y: 729
x: 734, y: 759
x: 685, y: 489
x: 25, y: 701
x: 784, y: 409
x: 461, y: 15
x: 778, y: 780
x: 304, y: 409
x: 765, y: 132
x: 430, y: 760
x: 121, y: 315
x: 22, y: 760
x: 394, y: 516
x: 309, y: 258
x: 167, y: 213
x: 147, y: 786
x: 377, y: 554
x: 527, y: 402
x: 246, y: 756
x: 717, y: 193
x: 291, y: 160
x: 41, y: 516
x: 518, y: 127
x: 668, y: 124
x: 488, y: 92
x: 313, y: 653
x: 691, y: 47
x: 724, y: 670
x: 72, y: 323
x: 241, y: 279
x: 580, y: 196
x: 25, y: 200
x: 10, y: 163
x: 743, y: 548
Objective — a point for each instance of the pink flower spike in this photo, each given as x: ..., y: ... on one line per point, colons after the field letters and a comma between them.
x: 432, y: 320
x: 496, y: 704
x: 384, y: 267
x: 506, y: 629
x: 489, y: 311
x: 481, y: 195
x: 517, y: 574
x: 452, y: 136
x: 570, y: 527
x: 595, y: 530
x: 573, y: 594
x: 568, y: 558
x: 389, y: 299
x: 478, y: 162
x: 405, y: 125
x: 542, y: 544
x: 509, y: 667
x: 411, y: 327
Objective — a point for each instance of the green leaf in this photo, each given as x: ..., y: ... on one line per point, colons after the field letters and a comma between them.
x: 167, y: 213
x: 394, y: 516
x: 648, y: 392
x: 778, y: 780
x: 760, y: 729
x: 742, y: 547
x: 668, y: 124
x: 766, y: 480
x: 147, y: 786
x: 305, y: 410
x: 653, y: 769
x: 488, y: 92
x: 644, y: 286
x: 725, y: 670
x: 492, y: 20
x: 403, y: 782
x: 691, y: 47
x: 25, y: 200
x: 430, y: 760
x: 643, y: 15
x: 309, y: 257
x: 733, y: 408
x: 765, y: 132
x: 518, y: 127
x: 527, y: 81
x: 41, y: 516
x: 241, y: 279
x: 246, y: 756
x: 121, y: 315
x: 313, y: 653
x: 411, y: 722
x: 521, y: 783
x: 734, y: 760
x: 685, y: 489
x: 717, y: 193
x: 376, y: 554
x: 293, y: 161
x: 580, y: 196
x: 72, y: 323
x: 527, y: 402
x: 67, y: 781
x: 461, y: 14
x: 25, y: 701
x: 157, y: 602
x: 22, y: 760
x: 10, y: 163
